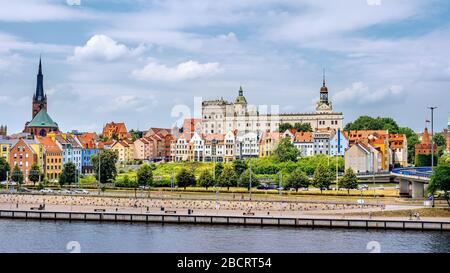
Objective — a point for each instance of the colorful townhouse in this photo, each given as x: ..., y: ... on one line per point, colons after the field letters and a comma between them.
x: 65, y: 146
x: 196, y: 148
x: 215, y: 148
x: 53, y: 158
x: 399, y: 147
x: 117, y: 131
x: 125, y: 150
x: 5, y: 147
x: 77, y: 151
x: 161, y: 143
x: 24, y: 156
x: 363, y: 158
x: 339, y: 143
x: 322, y: 139
x: 247, y: 146
x: 89, y: 148
x: 304, y: 142
x: 229, y: 146
x: 268, y: 143
x: 142, y: 149
x: 180, y: 147
x: 378, y: 139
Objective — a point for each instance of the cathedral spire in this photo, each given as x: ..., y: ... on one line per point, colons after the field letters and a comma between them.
x: 40, y: 95
x: 40, y: 66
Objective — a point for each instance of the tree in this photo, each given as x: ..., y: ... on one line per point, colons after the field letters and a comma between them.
x: 4, y: 169
x: 35, y: 173
x: 239, y: 166
x: 284, y: 126
x: 185, y: 178
x: 218, y: 170
x: 206, y: 179
x: 228, y: 177
x: 68, y: 174
x: 412, y: 140
x: 244, y: 179
x: 297, y: 179
x: 322, y: 178
x: 108, y: 170
x: 17, y: 175
x: 303, y: 127
x: 145, y: 175
x: 425, y: 160
x: 349, y: 180
x: 135, y: 135
x: 439, y: 139
x: 370, y: 123
x: 440, y: 179
x: 286, y: 151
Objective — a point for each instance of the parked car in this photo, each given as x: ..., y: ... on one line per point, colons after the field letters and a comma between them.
x: 80, y: 191
x: 46, y: 190
x: 363, y: 187
x: 24, y: 190
x: 262, y: 187
x: 65, y: 191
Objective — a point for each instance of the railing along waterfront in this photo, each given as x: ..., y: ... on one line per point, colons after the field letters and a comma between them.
x: 228, y: 220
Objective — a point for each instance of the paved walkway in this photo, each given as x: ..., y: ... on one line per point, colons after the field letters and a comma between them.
x: 221, y: 212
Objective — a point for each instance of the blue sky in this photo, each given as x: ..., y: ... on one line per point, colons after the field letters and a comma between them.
x: 143, y: 62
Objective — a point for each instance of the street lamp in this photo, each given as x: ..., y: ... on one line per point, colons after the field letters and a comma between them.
x: 250, y: 188
x: 99, y: 173
x: 432, y: 134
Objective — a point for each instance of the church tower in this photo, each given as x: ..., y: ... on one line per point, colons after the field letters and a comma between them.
x: 324, y: 104
x: 39, y: 98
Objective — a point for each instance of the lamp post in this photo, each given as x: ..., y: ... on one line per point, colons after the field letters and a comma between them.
x: 432, y: 135
x: 99, y: 173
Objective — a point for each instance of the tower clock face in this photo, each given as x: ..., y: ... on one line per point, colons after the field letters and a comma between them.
x: 323, y: 96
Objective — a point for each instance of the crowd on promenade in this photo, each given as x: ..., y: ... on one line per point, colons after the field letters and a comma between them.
x: 126, y: 202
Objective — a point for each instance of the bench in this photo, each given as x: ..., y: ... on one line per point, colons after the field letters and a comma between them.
x: 100, y: 210
x: 170, y: 211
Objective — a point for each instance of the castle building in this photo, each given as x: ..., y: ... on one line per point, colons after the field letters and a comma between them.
x: 425, y: 146
x: 41, y: 123
x: 220, y: 116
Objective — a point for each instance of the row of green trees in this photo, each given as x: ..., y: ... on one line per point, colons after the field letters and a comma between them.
x: 300, y: 127
x: 16, y: 174
x: 229, y: 177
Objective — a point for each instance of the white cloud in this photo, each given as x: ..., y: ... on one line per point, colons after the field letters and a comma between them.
x: 183, y: 71
x: 102, y: 48
x: 38, y: 10
x: 360, y: 94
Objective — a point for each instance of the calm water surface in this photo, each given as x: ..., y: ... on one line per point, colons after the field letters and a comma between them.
x: 50, y: 236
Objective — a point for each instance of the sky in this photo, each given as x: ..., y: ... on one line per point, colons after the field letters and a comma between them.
x: 149, y: 63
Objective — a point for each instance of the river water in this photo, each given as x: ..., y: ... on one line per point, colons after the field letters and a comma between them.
x: 62, y: 236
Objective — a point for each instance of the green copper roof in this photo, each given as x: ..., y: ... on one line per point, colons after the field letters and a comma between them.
x: 241, y: 99
x: 42, y: 119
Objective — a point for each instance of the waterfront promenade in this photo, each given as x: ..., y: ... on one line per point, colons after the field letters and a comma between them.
x: 203, y: 207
